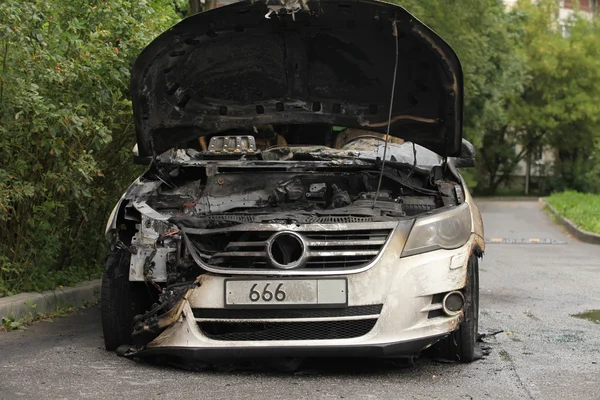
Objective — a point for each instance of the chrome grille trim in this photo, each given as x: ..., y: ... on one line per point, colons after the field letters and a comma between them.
x: 241, y: 254
x: 330, y: 243
x: 246, y: 244
x: 320, y: 252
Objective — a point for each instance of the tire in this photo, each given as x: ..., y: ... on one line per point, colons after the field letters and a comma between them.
x: 120, y: 300
x: 461, y: 345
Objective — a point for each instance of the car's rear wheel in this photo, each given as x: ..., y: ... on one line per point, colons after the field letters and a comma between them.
x: 461, y: 345
x: 120, y: 300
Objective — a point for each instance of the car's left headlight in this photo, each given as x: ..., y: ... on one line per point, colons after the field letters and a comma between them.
x: 446, y: 230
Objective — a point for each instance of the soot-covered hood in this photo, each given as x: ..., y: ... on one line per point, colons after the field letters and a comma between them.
x: 232, y: 67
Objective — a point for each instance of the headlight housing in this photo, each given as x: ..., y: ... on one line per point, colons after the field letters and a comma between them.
x: 446, y: 230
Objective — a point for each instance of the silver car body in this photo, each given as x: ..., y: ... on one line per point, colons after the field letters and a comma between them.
x: 394, y: 297
x: 303, y: 243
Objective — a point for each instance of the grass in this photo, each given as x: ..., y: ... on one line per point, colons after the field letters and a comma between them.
x: 581, y: 208
x: 10, y: 324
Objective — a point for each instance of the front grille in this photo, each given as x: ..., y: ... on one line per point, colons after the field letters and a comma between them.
x: 253, y: 331
x: 330, y: 247
x: 228, y: 313
x: 338, y: 219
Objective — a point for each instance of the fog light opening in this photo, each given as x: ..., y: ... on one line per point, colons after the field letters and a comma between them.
x: 453, y: 303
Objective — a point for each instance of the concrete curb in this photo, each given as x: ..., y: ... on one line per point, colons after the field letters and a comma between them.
x: 580, y: 234
x: 505, y: 198
x: 24, y: 304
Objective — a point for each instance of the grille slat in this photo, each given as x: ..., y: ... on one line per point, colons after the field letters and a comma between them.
x: 346, y: 236
x: 246, y: 244
x: 322, y: 330
x: 343, y: 253
x: 330, y: 243
x: 338, y: 220
x: 241, y: 254
x: 356, y: 261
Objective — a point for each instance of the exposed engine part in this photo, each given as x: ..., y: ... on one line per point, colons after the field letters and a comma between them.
x: 415, y: 205
x: 150, y: 249
x: 236, y: 144
x: 388, y: 208
x: 288, y: 191
x: 340, y: 198
x: 317, y: 191
x: 436, y: 174
x: 146, y: 327
x: 452, y: 193
x: 384, y: 195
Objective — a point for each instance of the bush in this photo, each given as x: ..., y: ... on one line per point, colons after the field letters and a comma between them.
x: 66, y: 131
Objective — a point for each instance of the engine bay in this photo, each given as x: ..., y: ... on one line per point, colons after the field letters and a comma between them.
x: 331, y: 193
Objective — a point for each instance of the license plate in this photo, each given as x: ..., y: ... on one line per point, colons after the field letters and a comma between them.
x: 285, y: 292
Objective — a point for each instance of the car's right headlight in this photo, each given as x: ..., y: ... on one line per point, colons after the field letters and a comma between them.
x: 445, y: 230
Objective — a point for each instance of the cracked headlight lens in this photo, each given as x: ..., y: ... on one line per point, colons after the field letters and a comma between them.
x: 446, y: 230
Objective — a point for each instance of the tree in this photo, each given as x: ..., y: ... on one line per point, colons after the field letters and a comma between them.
x: 525, y: 84
x: 485, y: 38
x: 559, y: 106
x: 66, y: 130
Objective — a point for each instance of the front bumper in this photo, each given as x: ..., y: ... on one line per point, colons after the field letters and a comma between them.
x: 406, y: 289
x: 411, y: 348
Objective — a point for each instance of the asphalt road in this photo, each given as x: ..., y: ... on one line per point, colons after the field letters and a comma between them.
x: 529, y: 291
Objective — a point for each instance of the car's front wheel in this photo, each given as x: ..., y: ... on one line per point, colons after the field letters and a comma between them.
x: 120, y: 300
x: 461, y: 345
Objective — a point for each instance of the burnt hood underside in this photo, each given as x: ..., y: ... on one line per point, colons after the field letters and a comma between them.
x: 232, y: 67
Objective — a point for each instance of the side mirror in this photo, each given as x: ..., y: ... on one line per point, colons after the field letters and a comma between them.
x: 467, y: 155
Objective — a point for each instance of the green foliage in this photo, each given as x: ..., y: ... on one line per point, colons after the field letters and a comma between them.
x: 10, y: 324
x: 558, y: 106
x: 564, y: 85
x: 581, y: 208
x: 525, y: 84
x: 66, y: 131
x: 485, y: 38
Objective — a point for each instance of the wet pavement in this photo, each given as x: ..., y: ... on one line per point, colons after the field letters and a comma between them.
x: 537, y: 284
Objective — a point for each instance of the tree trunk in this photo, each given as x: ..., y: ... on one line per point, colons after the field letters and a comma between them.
x: 197, y: 6
x: 528, y: 173
x: 209, y: 4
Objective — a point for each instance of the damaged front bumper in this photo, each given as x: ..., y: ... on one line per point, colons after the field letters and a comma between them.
x: 393, y: 310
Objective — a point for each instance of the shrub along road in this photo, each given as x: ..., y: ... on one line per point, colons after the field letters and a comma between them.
x: 530, y: 291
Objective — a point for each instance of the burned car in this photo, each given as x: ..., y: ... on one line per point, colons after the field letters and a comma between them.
x: 302, y: 196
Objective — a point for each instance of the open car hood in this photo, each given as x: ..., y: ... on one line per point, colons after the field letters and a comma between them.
x: 232, y: 67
